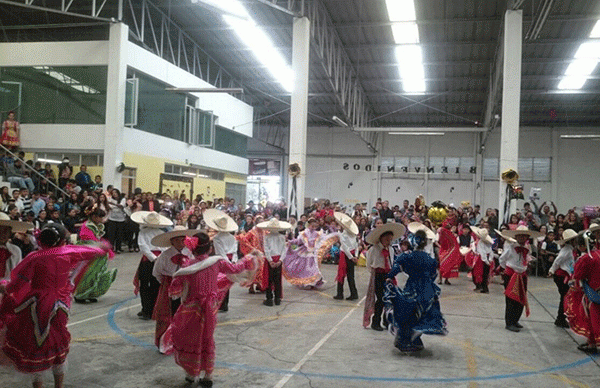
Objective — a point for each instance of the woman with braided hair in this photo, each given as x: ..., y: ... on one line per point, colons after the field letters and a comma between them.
x: 414, y: 310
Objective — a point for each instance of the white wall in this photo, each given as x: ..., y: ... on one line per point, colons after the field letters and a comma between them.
x: 233, y: 113
x: 92, y: 53
x: 63, y: 137
x: 145, y: 143
x: 576, y: 183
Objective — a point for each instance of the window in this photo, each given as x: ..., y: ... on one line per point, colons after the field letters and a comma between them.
x: 193, y: 171
x: 55, y: 94
x: 90, y: 160
x: 230, y: 142
x: 491, y: 169
x: 529, y: 169
x: 236, y: 191
x: 132, y: 88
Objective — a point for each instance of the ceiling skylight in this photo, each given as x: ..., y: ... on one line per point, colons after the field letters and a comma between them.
x: 236, y: 16
x: 585, y: 61
x: 408, y: 53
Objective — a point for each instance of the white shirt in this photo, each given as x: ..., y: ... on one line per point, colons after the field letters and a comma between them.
x: 146, y: 235
x: 429, y: 249
x: 163, y: 266
x: 13, y: 260
x: 348, y: 243
x: 511, y: 259
x: 375, y: 258
x: 564, y: 260
x: 225, y: 244
x: 484, y: 250
x: 275, y: 246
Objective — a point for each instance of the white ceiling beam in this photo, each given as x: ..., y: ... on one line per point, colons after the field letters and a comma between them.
x: 420, y: 129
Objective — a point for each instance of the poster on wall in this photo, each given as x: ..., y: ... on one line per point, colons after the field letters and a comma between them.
x: 264, y: 167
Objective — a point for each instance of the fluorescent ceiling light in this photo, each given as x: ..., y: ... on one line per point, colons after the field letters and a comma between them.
x: 580, y: 136
x: 52, y: 161
x: 232, y: 7
x: 262, y: 47
x: 596, y: 30
x: 65, y: 79
x: 573, y: 82
x: 418, y: 133
x: 339, y: 121
x: 410, y: 64
x: 401, y: 10
x: 405, y: 33
x: 588, y: 50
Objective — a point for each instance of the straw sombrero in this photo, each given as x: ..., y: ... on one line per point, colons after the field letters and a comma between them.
x: 414, y: 226
x: 482, y: 234
x: 346, y: 222
x: 151, y: 219
x: 398, y: 230
x: 274, y: 225
x: 593, y: 227
x: 501, y: 234
x: 219, y: 221
x: 522, y: 230
x: 17, y: 226
x: 568, y: 235
x: 164, y: 239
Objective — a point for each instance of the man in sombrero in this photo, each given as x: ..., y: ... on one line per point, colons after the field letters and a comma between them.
x: 175, y: 256
x: 379, y: 263
x: 348, y: 256
x: 10, y: 254
x: 275, y: 251
x: 514, y: 260
x: 151, y: 225
x: 224, y: 242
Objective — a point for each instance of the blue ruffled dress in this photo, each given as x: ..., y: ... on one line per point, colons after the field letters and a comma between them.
x: 414, y: 310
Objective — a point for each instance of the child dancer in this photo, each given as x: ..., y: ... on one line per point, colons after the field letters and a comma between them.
x: 348, y: 256
x: 275, y: 251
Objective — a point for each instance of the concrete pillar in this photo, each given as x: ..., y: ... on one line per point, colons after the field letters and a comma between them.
x: 115, y: 103
x: 478, y: 176
x: 511, y: 99
x: 554, y: 165
x: 299, y: 111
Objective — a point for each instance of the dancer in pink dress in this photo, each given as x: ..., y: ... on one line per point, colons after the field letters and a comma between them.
x: 191, y: 334
x: 35, y: 307
x: 301, y: 266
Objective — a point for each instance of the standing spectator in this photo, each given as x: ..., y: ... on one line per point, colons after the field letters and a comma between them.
x: 45, y: 185
x: 64, y: 173
x: 545, y: 213
x: 115, y: 225
x: 83, y: 179
x: 151, y: 204
x: 11, y: 130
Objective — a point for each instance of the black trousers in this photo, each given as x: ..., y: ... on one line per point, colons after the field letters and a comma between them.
x: 514, y: 309
x: 175, y: 303
x: 379, y: 290
x: 114, y: 233
x: 350, y: 275
x: 486, y: 277
x: 562, y: 290
x: 274, y: 283
x: 132, y: 230
x: 149, y: 287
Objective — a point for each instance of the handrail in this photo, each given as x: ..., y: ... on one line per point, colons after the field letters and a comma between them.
x: 32, y: 169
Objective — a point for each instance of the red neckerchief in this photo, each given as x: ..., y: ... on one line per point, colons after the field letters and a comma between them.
x: 386, y: 254
x: 523, y: 252
x: 179, y: 259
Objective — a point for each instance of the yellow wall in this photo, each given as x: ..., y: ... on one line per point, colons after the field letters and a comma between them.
x: 148, y: 177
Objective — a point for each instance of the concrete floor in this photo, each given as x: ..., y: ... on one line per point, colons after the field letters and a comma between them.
x: 312, y: 340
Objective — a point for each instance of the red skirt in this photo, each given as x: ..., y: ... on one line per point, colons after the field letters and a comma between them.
x: 583, y: 315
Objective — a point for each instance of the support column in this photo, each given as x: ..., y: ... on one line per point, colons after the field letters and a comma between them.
x: 554, y: 165
x: 299, y: 111
x: 115, y: 103
x: 511, y: 100
x: 478, y: 176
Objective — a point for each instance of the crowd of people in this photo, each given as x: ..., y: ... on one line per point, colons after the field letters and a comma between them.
x: 205, y: 246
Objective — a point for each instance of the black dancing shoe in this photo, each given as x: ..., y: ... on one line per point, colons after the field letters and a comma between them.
x: 277, y: 301
x: 588, y: 349
x: 205, y: 383
x: 518, y: 325
x: 513, y: 328
x: 338, y: 297
x: 352, y: 297
x: 447, y: 282
x: 562, y: 323
x: 268, y: 302
x: 377, y: 328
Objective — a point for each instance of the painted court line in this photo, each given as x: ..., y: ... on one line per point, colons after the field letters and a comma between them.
x: 101, y: 315
x: 310, y: 353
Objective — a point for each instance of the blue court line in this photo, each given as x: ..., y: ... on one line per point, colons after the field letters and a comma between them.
x: 135, y: 341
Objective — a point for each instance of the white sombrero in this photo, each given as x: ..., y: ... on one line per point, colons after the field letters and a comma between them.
x: 483, y: 234
x: 398, y: 230
x: 274, y: 225
x: 522, y: 229
x: 568, y: 235
x: 501, y: 234
x: 346, y: 222
x: 414, y: 226
x: 151, y: 219
x: 17, y: 226
x: 164, y: 240
x: 219, y: 221
x: 593, y: 227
